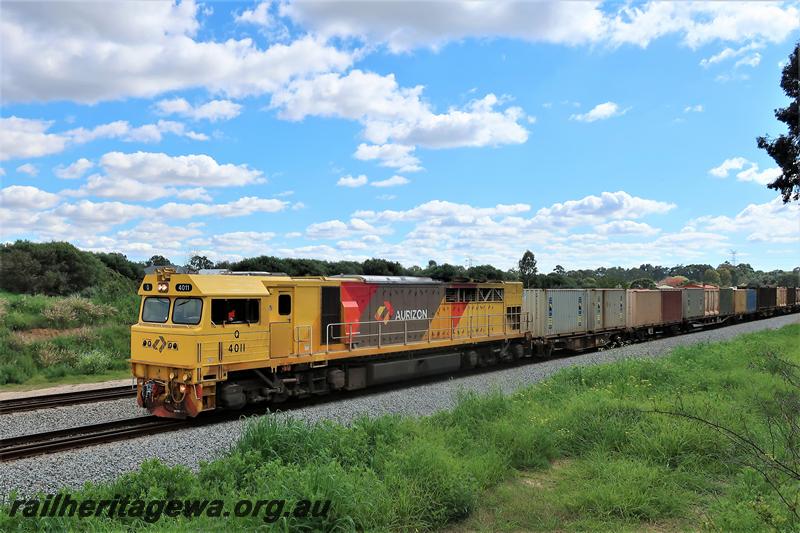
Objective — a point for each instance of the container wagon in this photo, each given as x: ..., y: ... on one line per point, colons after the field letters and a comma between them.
x: 644, y: 308
x: 711, y: 301
x: 781, y: 297
x: 693, y: 303
x: 767, y: 298
x: 739, y: 301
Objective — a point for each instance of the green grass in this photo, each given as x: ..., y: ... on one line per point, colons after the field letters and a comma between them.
x: 47, y: 340
x: 579, y: 451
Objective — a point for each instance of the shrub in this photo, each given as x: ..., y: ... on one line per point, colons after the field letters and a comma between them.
x: 50, y: 355
x: 94, y: 362
x: 68, y: 311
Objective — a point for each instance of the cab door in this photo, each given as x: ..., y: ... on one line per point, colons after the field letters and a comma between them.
x: 281, y: 330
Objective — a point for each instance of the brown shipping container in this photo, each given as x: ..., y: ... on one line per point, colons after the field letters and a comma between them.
x: 767, y: 297
x: 739, y: 302
x: 671, y: 306
x: 781, y: 296
x: 711, y: 301
x: 791, y: 296
x: 644, y: 308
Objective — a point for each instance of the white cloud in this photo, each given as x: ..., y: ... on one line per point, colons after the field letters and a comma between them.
x: 336, y: 229
x: 28, y: 169
x: 595, y: 209
x: 195, y: 193
x: 162, y: 169
x: 703, y: 22
x: 698, y: 108
x: 212, y: 111
x: 626, y: 227
x: 600, y: 112
x: 23, y: 138
x: 394, y: 181
x: 750, y: 61
x: 773, y: 221
x: 441, y: 209
x: 404, y: 26
x: 75, y: 170
x: 734, y: 163
x: 259, y: 15
x: 25, y: 197
x: 393, y: 115
x: 751, y: 173
x: 390, y: 155
x: 729, y: 53
x: 352, y: 182
x: 86, y: 52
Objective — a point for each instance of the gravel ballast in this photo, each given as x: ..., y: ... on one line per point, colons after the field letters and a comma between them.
x: 188, y: 447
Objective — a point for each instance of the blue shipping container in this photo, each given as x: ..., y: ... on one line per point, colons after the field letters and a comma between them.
x: 751, y: 300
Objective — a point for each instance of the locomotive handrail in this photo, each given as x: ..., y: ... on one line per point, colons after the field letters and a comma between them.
x: 512, y: 321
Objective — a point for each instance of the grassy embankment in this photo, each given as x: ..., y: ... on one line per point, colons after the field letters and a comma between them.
x: 47, y: 340
x: 577, y: 452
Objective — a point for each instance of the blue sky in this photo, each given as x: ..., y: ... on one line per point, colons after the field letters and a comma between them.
x: 593, y: 134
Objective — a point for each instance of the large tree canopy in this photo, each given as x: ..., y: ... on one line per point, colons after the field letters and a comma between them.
x: 785, y: 149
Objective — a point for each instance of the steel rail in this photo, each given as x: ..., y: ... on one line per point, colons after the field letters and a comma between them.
x: 78, y: 437
x: 65, y: 398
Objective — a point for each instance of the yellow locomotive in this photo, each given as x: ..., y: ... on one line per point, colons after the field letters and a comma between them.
x: 205, y: 341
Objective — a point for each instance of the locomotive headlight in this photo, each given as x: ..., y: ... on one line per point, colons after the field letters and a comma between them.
x: 163, y: 287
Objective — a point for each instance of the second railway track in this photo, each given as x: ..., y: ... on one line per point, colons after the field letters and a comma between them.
x: 65, y: 398
x: 66, y: 439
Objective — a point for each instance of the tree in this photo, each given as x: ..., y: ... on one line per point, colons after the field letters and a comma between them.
x: 559, y: 270
x: 527, y: 269
x: 158, y: 260
x: 785, y: 149
x: 643, y: 283
x: 200, y: 262
x: 711, y: 276
x: 725, y: 278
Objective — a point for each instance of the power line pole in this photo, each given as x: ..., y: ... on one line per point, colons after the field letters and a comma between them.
x: 733, y: 257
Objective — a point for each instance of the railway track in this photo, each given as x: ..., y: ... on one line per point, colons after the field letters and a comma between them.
x: 65, y: 398
x: 66, y: 439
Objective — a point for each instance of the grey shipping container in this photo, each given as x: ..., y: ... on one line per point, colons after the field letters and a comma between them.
x: 694, y: 305
x: 726, y: 301
x: 554, y: 312
x: 644, y: 308
x: 615, y: 304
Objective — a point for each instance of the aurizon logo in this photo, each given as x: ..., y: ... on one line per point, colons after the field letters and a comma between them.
x: 384, y: 312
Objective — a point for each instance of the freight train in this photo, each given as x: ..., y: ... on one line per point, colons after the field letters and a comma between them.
x: 225, y: 340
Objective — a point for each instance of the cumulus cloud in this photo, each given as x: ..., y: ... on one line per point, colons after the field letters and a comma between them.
x: 25, y: 197
x: 397, y: 156
x: 397, y: 119
x: 600, y: 112
x: 75, y: 170
x: 259, y: 15
x: 140, y: 49
x: 403, y: 26
x: 595, y: 209
x: 352, y: 182
x: 160, y: 168
x: 336, y: 229
x: 773, y: 221
x: 394, y: 181
x: 212, y: 111
x: 752, y: 60
x: 751, y: 173
x: 24, y: 138
x: 698, y: 108
x: 28, y: 169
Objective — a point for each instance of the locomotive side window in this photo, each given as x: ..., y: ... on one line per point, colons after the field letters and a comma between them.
x: 285, y: 304
x: 155, y: 310
x: 234, y: 310
x: 187, y: 311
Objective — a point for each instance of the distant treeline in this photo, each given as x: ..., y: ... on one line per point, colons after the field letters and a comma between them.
x: 58, y: 268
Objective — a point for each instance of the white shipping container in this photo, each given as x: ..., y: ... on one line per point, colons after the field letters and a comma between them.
x: 614, y: 308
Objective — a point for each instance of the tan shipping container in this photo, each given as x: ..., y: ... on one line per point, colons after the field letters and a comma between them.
x: 644, y: 308
x: 711, y: 301
x: 615, y: 302
x: 740, y: 301
x: 781, y: 296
